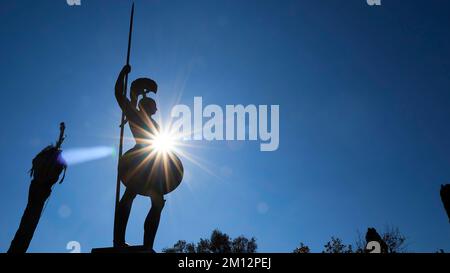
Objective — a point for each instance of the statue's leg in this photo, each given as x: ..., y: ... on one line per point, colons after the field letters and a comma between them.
x: 123, y: 213
x: 152, y: 220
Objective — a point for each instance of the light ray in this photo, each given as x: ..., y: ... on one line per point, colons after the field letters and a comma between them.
x: 81, y: 155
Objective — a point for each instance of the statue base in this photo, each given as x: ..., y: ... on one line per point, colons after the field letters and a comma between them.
x: 129, y: 249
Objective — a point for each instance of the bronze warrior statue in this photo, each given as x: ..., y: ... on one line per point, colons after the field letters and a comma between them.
x: 142, y: 169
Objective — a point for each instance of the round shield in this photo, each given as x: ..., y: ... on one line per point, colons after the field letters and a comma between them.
x: 145, y: 172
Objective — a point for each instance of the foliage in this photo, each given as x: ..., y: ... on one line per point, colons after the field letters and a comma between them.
x: 302, y: 248
x: 336, y: 245
x: 218, y: 242
x: 394, y: 239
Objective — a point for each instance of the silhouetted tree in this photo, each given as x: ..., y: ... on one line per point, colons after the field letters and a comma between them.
x: 337, y: 246
x: 190, y: 248
x: 178, y: 247
x: 395, y: 241
x: 243, y: 245
x: 218, y: 242
x: 302, y: 248
x: 373, y: 236
x: 203, y: 246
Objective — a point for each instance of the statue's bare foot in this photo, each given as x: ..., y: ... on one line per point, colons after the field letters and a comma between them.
x: 149, y: 249
x: 120, y: 244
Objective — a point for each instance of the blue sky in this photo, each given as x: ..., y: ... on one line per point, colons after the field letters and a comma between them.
x: 364, y: 109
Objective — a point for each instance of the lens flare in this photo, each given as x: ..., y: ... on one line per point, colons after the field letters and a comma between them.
x: 164, y: 142
x: 81, y: 155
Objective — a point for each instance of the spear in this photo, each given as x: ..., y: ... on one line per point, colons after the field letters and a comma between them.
x: 122, y: 122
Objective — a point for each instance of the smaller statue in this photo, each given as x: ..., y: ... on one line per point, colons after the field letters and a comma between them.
x: 45, y: 171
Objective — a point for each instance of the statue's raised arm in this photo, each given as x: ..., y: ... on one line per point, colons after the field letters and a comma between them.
x: 121, y: 97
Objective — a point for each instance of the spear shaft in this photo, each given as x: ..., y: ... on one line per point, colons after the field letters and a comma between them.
x: 122, y: 122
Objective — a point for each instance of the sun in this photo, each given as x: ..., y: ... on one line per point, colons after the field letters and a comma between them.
x: 163, y: 142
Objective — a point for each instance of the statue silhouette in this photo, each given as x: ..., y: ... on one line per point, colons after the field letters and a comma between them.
x: 141, y: 169
x: 445, y: 197
x: 46, y: 169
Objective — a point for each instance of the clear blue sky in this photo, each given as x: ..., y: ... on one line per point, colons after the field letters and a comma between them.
x: 364, y: 116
